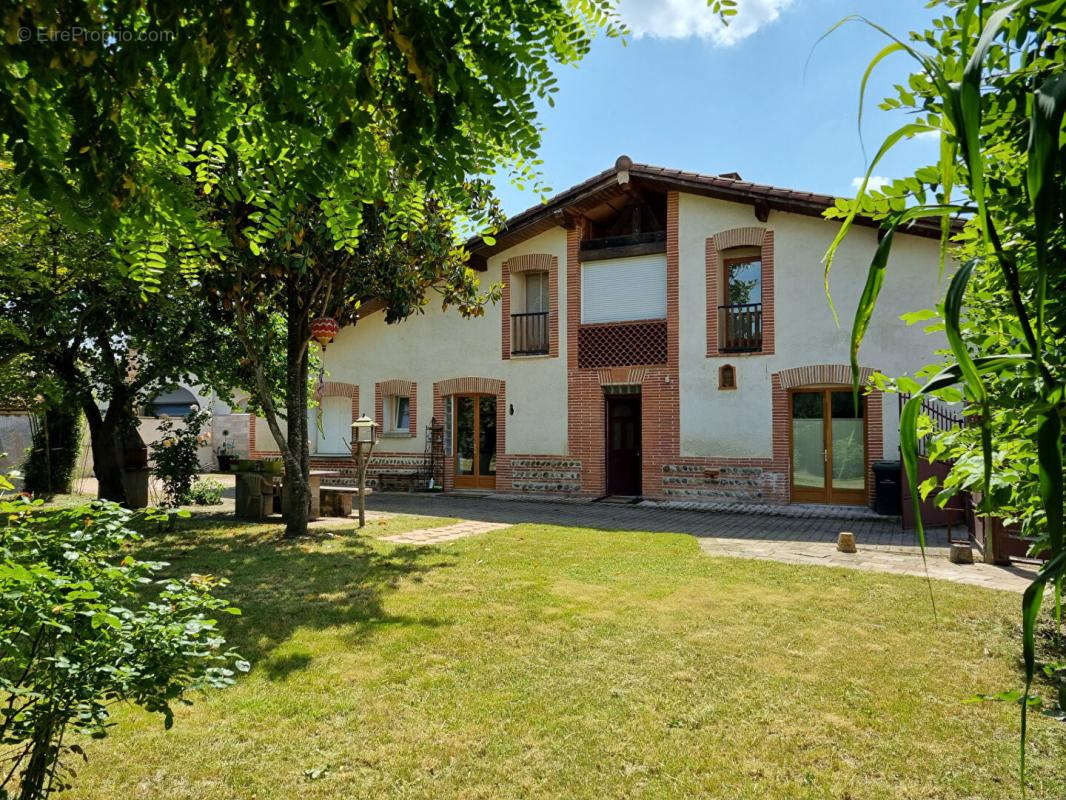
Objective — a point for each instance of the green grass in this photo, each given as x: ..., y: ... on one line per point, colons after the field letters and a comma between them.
x: 549, y: 662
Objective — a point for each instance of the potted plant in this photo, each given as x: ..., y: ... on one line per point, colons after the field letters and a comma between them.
x: 225, y: 453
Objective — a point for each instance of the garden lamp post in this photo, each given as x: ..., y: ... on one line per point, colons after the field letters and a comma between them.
x: 364, y: 435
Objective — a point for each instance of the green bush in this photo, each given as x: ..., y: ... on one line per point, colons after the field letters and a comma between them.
x: 206, y: 492
x: 174, y: 455
x: 53, y: 454
x: 84, y: 625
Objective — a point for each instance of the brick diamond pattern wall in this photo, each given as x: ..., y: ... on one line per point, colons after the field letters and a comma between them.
x: 622, y: 344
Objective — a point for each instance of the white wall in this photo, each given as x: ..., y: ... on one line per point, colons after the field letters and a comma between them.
x: 737, y: 423
x: 437, y: 345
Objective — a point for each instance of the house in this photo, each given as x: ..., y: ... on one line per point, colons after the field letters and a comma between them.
x: 662, y: 334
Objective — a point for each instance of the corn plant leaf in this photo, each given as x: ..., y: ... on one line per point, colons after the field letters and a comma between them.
x: 1053, y: 571
x: 887, y: 50
x: 908, y: 420
x: 1049, y: 457
x: 904, y: 131
x: 875, y: 277
x: 964, y: 99
x: 1049, y: 103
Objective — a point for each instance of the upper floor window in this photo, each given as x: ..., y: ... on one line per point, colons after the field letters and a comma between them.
x: 623, y: 289
x: 529, y: 328
x: 740, y: 315
x: 536, y: 292
x: 743, y: 281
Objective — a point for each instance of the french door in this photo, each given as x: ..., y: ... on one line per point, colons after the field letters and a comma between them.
x: 475, y: 441
x: 828, y: 436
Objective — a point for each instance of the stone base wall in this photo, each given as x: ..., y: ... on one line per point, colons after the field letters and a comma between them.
x: 545, y: 474
x: 386, y: 471
x: 724, y: 481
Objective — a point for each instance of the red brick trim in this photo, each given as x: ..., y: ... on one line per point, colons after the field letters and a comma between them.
x: 338, y: 389
x: 763, y: 238
x: 615, y: 376
x: 659, y: 385
x: 531, y: 262
x: 822, y: 375
x: 472, y: 385
x: 327, y: 389
x: 397, y: 387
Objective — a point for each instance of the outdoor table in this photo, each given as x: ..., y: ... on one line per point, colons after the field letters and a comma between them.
x: 314, y: 485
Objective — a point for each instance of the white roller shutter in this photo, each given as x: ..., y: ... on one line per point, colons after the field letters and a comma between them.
x: 620, y: 289
x: 336, y: 431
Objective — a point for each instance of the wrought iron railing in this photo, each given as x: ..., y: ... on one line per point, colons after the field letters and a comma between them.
x: 529, y: 333
x: 943, y: 417
x: 740, y: 327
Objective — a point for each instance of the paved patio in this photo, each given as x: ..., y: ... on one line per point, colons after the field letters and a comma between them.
x: 882, y: 545
x: 624, y: 517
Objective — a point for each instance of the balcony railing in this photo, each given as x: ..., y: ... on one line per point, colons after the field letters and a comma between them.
x: 529, y: 333
x: 740, y: 328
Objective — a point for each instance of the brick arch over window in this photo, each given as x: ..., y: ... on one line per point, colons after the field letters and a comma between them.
x: 762, y: 238
x: 531, y: 262
x: 397, y: 387
x: 338, y: 389
x: 443, y: 391
x: 824, y: 375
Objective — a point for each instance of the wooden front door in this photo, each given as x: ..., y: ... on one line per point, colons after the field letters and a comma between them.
x: 475, y: 441
x: 828, y: 446
x: 623, y: 444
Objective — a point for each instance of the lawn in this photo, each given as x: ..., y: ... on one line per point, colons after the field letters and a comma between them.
x: 552, y: 662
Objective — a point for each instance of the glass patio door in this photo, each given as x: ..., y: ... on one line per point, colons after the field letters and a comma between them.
x: 828, y: 440
x: 475, y: 441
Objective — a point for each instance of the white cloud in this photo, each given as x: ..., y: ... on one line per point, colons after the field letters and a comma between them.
x: 928, y: 135
x: 875, y: 182
x: 679, y: 19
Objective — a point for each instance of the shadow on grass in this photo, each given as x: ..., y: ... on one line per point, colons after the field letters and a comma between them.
x: 284, y: 585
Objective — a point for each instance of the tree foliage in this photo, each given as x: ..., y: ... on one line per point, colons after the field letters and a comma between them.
x: 82, y: 334
x: 78, y: 634
x: 990, y: 84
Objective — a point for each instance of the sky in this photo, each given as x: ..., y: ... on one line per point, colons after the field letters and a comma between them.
x: 685, y: 93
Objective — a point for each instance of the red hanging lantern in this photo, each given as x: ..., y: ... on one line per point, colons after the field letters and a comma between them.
x: 324, y: 330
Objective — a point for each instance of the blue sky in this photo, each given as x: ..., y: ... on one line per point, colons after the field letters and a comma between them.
x: 685, y: 94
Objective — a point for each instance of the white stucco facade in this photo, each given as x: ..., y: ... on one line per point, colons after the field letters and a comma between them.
x: 696, y: 438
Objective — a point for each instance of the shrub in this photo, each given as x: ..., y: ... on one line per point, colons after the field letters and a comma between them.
x: 174, y: 455
x: 85, y: 624
x: 50, y: 462
x: 207, y: 492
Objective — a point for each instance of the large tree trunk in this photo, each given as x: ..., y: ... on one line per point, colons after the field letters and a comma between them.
x: 107, y: 461
x: 297, y: 455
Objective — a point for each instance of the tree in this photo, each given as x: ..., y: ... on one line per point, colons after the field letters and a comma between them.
x: 78, y: 634
x: 106, y: 127
x: 991, y: 86
x: 408, y: 108
x: 274, y: 293
x: 79, y: 324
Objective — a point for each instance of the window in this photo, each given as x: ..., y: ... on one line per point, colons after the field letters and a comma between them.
x: 743, y: 281
x: 536, y: 292
x: 740, y: 317
x: 400, y: 414
x: 727, y: 377
x: 624, y: 289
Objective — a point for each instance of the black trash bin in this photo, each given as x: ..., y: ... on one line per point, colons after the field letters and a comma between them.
x: 887, y: 484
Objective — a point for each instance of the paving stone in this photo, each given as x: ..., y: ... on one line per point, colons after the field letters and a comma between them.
x: 883, y: 546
